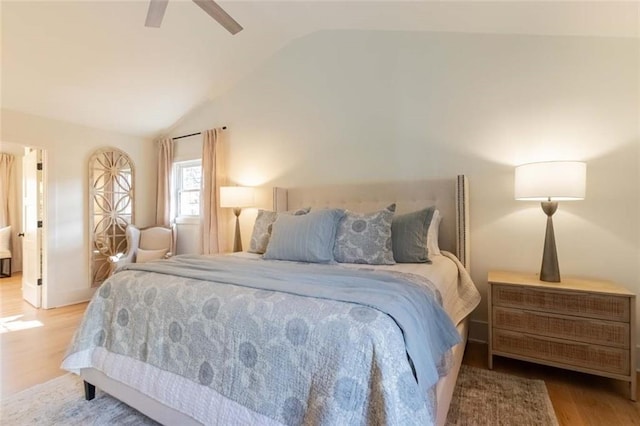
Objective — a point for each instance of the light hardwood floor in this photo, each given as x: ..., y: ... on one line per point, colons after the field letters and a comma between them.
x: 33, y: 355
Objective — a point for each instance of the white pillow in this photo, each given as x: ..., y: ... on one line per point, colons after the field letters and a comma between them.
x: 432, y: 234
x: 143, y: 256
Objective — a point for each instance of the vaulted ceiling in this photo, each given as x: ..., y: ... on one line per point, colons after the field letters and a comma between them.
x: 95, y: 63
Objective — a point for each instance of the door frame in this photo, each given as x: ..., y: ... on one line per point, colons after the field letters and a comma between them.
x: 43, y: 231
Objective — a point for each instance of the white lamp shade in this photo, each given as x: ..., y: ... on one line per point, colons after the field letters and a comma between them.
x: 236, y: 196
x: 554, y: 180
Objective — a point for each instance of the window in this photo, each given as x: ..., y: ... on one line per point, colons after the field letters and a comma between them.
x: 187, y: 175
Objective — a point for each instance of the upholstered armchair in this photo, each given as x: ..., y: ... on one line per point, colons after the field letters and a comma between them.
x: 146, y: 244
x: 5, y: 252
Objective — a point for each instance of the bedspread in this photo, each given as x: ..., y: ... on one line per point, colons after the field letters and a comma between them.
x: 292, y: 358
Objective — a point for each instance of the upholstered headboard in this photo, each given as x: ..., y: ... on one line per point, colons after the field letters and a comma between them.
x: 450, y: 196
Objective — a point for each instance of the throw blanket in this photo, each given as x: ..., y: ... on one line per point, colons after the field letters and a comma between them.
x: 291, y: 358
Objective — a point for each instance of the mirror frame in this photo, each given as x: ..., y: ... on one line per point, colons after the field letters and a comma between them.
x: 111, y: 208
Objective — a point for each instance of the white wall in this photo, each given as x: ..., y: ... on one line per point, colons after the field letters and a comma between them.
x: 348, y: 106
x: 68, y: 148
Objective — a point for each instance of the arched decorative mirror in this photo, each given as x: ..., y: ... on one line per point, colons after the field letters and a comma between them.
x: 111, y: 208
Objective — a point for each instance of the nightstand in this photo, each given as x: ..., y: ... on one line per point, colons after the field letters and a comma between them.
x: 581, y: 325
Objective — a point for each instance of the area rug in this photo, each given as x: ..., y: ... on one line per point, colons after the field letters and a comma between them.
x: 484, y: 397
x: 481, y: 397
x: 61, y: 402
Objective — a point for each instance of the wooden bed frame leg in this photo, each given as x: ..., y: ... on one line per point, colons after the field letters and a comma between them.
x: 89, y: 391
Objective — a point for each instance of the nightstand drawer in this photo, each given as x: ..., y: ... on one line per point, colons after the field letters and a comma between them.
x: 599, y: 306
x: 599, y: 332
x: 571, y: 354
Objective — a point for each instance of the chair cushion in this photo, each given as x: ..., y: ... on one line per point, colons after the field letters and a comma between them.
x: 5, y: 254
x: 5, y: 240
x: 143, y: 256
x: 156, y: 238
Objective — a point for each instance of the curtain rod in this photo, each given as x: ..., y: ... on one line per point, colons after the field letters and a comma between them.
x: 193, y: 134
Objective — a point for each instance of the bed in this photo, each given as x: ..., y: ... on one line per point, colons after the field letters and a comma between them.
x: 345, y: 362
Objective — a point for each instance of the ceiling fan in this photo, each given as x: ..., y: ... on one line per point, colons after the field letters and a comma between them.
x: 158, y: 7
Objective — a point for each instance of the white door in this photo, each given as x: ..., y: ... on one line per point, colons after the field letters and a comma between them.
x: 31, y: 253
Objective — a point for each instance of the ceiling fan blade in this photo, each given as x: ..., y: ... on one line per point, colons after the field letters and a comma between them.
x: 217, y: 13
x: 156, y: 13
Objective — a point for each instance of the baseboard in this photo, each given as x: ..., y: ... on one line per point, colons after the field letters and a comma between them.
x: 70, y: 298
x: 479, y: 332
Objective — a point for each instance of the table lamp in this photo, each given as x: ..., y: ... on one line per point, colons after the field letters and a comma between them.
x: 236, y: 197
x: 550, y: 182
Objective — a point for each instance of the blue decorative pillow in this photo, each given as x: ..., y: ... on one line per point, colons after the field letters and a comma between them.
x: 365, y: 238
x: 409, y: 236
x: 262, y: 228
x: 306, y: 238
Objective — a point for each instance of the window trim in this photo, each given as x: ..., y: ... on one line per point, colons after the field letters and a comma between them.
x: 178, y: 166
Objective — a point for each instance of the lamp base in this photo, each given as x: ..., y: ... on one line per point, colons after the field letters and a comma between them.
x: 550, y: 271
x: 237, y: 241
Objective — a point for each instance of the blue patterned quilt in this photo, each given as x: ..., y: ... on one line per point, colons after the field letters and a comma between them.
x: 297, y: 343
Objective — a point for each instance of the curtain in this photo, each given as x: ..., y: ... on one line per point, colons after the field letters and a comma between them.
x: 163, y: 191
x: 212, y: 240
x: 6, y: 189
x: 8, y: 207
